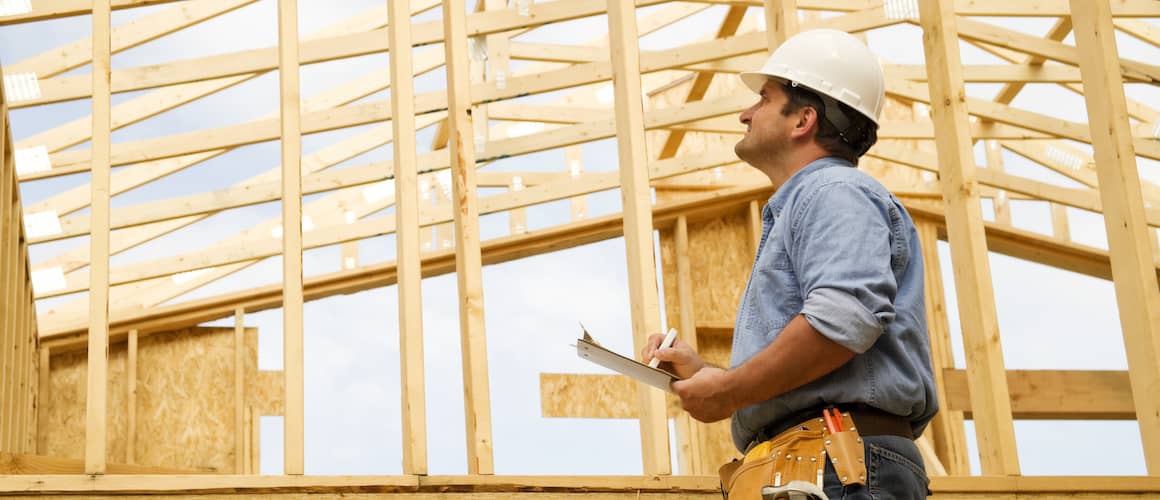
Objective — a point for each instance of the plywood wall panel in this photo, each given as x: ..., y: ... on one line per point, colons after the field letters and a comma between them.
x: 185, y: 399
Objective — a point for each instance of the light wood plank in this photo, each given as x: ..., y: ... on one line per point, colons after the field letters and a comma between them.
x: 976, y: 298
x: 703, y: 79
x: 126, y: 36
x: 638, y: 230
x: 781, y: 21
x: 1129, y: 239
x: 408, y: 260
x: 994, y: 155
x: 949, y: 437
x: 293, y: 426
x: 42, y: 389
x: 468, y: 260
x: 239, y: 391
x: 1059, y: 222
x: 687, y: 318
x: 96, y: 409
x: 9, y: 223
x: 131, y: 400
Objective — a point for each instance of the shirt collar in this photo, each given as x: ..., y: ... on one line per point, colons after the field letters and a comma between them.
x: 776, y: 202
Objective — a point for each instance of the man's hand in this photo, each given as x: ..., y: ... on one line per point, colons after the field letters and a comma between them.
x: 680, y: 359
x: 706, y: 395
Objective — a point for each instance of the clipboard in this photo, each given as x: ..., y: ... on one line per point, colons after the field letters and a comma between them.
x: 588, y: 349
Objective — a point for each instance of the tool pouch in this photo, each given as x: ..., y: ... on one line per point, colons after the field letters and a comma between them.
x: 795, y: 455
x: 847, y: 453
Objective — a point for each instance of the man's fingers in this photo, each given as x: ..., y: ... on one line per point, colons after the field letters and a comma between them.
x: 654, y: 341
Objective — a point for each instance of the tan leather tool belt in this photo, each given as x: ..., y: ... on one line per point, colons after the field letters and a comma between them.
x: 797, y: 454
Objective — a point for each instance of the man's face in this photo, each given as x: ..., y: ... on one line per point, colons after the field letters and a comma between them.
x: 767, y: 134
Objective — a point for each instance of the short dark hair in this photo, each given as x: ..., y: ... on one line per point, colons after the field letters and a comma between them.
x: 850, y: 145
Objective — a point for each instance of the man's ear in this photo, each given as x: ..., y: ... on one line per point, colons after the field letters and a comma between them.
x: 807, y: 121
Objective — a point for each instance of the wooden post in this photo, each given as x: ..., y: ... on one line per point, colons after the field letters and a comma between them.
x: 96, y: 402
x: 949, y: 437
x: 239, y: 390
x: 131, y: 376
x: 994, y: 154
x: 468, y: 259
x: 781, y: 21
x: 688, y: 327
x: 43, y: 387
x: 1129, y: 238
x: 294, y: 461
x: 350, y: 255
x: 990, y: 400
x: 638, y: 230
x: 573, y: 155
x: 407, y: 235
x: 1059, y: 222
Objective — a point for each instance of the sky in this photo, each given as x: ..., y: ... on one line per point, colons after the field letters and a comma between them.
x: 533, y: 304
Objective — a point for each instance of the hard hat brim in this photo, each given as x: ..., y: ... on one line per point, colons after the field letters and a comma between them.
x: 755, y: 80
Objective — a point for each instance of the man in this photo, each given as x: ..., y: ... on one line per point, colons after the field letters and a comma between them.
x: 833, y: 314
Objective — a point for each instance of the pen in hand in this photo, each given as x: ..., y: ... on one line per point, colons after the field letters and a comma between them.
x: 666, y: 343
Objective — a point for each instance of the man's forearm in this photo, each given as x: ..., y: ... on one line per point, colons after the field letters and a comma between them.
x: 799, y: 356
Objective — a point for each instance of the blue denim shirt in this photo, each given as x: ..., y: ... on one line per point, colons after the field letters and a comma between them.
x: 839, y: 249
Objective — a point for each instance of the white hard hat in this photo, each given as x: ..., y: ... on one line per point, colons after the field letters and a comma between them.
x: 831, y: 63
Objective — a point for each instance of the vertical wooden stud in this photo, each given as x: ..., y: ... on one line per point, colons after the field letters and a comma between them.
x: 468, y: 259
x: 1129, y: 239
x: 994, y: 154
x: 781, y: 21
x: 407, y: 235
x: 638, y: 231
x: 131, y: 400
x: 688, y: 328
x: 574, y: 157
x: 949, y: 437
x: 1060, y: 227
x: 8, y: 296
x: 249, y: 441
x: 239, y: 390
x: 43, y: 387
x: 96, y: 402
x: 990, y: 398
x: 350, y: 255
x: 294, y: 427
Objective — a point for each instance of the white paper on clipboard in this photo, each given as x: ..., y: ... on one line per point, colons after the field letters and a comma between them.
x: 588, y: 349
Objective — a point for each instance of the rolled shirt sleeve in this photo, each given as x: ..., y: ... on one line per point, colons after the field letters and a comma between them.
x: 841, y: 251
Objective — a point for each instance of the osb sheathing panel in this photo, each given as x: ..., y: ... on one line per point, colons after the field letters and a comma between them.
x: 185, y: 399
x: 720, y: 258
x: 574, y: 395
x: 719, y: 262
x: 66, y: 404
x: 717, y: 440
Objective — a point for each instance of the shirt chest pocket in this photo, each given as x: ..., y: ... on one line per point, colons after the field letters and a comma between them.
x: 775, y: 293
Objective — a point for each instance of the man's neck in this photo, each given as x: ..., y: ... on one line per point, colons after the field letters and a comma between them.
x: 781, y: 173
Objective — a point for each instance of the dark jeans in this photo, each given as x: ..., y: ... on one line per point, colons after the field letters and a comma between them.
x: 894, y: 471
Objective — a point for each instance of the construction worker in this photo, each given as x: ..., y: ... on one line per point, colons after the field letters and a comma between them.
x: 833, y: 316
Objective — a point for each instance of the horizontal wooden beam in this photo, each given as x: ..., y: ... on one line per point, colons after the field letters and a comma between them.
x: 13, y: 464
x: 499, y: 487
x: 573, y: 395
x: 535, y: 487
x: 1035, y: 394
x: 66, y: 334
x: 348, y: 116
x: 1001, y: 8
x: 1054, y: 394
x: 43, y: 10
